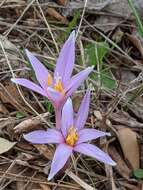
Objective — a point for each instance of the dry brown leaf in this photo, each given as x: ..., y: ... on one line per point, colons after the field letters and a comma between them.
x: 8, y: 45
x: 121, y: 166
x: 45, y: 150
x: 3, y: 109
x: 24, y: 146
x: 53, y: 13
x: 130, y: 147
x: 44, y: 187
x: 9, y: 94
x: 33, y: 123
x: 27, y: 125
x: 124, y: 118
x: 5, y: 145
x: 137, y: 42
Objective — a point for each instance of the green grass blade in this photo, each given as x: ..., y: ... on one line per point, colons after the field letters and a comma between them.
x: 137, y: 17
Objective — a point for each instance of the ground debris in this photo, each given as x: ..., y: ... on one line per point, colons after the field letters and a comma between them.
x: 116, y: 95
x: 130, y: 147
x: 124, y: 118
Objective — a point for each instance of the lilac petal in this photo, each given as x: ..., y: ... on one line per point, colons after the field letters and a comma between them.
x: 65, y: 62
x: 28, y: 84
x: 83, y: 111
x: 44, y: 137
x: 95, y: 152
x: 60, y: 158
x: 40, y: 70
x: 54, y: 95
x: 90, y: 134
x: 67, y: 116
x: 77, y: 80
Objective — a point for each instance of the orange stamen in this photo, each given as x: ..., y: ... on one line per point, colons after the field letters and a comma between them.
x: 72, y: 136
x: 50, y: 80
x: 59, y: 87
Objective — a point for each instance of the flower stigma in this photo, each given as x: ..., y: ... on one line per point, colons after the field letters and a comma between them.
x: 72, y: 136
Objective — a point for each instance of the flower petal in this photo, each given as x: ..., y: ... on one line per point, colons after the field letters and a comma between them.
x: 67, y: 116
x: 54, y: 95
x: 95, y: 152
x: 40, y: 70
x: 65, y: 62
x: 28, y: 84
x: 90, y: 134
x: 83, y: 111
x: 44, y: 137
x: 77, y: 80
x: 60, y: 158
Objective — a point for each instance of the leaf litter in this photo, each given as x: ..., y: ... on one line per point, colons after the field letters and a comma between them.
x: 116, y: 105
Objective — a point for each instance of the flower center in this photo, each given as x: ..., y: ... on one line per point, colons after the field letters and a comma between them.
x: 59, y: 87
x: 58, y: 84
x: 72, y: 136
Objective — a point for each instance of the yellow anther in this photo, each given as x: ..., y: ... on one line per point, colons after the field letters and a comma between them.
x: 50, y: 80
x: 72, y: 136
x: 59, y: 87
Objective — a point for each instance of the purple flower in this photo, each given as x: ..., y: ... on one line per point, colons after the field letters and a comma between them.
x: 71, y: 137
x: 61, y: 85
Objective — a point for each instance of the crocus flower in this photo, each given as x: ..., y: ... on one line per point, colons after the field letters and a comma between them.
x: 59, y: 86
x: 71, y: 137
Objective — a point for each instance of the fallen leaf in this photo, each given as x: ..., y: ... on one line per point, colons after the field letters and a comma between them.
x: 5, y: 145
x: 121, y: 166
x: 30, y: 124
x: 7, y: 44
x: 27, y: 125
x: 44, y: 187
x: 10, y: 95
x: 129, y: 144
x: 53, y: 13
x: 3, y: 109
x: 138, y: 43
x: 45, y: 150
x: 124, y: 118
x: 25, y: 146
